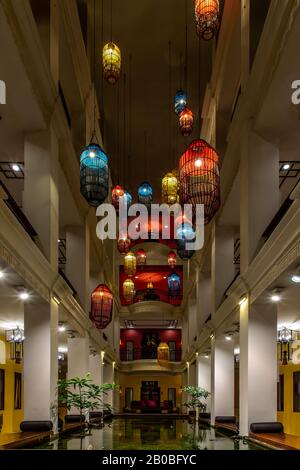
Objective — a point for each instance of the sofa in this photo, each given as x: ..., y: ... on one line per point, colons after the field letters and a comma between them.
x: 150, y: 406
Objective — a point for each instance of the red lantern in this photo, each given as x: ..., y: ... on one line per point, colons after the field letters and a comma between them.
x: 207, y: 15
x: 172, y: 259
x: 186, y: 122
x: 200, y: 178
x: 124, y: 245
x: 116, y: 193
x: 141, y: 257
x: 101, y: 306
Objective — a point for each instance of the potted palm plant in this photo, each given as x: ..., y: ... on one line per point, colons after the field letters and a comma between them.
x: 83, y: 395
x: 195, y: 404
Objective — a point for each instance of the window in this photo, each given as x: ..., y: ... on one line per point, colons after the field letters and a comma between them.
x: 128, y: 396
x: 172, y: 351
x: 172, y: 395
x: 280, y: 393
x: 129, y: 350
x: 2, y: 384
x: 297, y: 392
x: 18, y: 391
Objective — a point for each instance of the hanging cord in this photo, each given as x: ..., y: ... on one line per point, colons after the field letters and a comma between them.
x: 124, y: 128
x: 118, y: 132
x: 111, y: 20
x: 130, y: 120
x: 181, y: 67
x: 94, y: 71
x: 199, y: 84
x: 170, y: 98
x: 186, y: 48
x: 145, y: 155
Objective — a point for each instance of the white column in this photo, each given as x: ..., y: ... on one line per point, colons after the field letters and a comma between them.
x: 78, y: 357
x: 204, y: 377
x: 258, y: 364
x: 40, y: 195
x: 222, y: 378
x: 78, y: 261
x: 223, y: 270
x: 108, y: 377
x: 259, y: 177
x: 96, y: 368
x: 40, y: 359
x: 203, y: 301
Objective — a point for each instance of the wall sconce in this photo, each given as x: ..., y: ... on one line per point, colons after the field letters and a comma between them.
x: 16, y: 338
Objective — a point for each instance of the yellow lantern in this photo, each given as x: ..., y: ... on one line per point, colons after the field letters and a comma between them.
x: 169, y: 189
x: 128, y: 290
x: 149, y: 285
x: 111, y: 60
x: 163, y: 354
x: 130, y: 264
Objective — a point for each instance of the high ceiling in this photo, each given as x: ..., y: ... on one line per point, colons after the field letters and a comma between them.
x: 143, y: 30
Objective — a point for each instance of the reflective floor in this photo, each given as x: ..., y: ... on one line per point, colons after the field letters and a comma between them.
x: 151, y: 434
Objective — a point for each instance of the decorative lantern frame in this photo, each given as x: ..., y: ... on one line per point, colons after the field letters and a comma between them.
x: 207, y: 14
x: 199, y: 178
x: 145, y: 193
x: 163, y: 354
x: 130, y: 264
x: 101, y: 306
x: 16, y: 339
x: 169, y: 189
x: 116, y: 194
x: 128, y: 290
x: 172, y: 259
x: 186, y: 122
x: 173, y: 284
x: 141, y: 257
x: 94, y: 175
x: 111, y: 61
x: 124, y: 245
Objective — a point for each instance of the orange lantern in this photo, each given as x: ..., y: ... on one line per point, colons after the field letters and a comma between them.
x: 124, y: 245
x: 163, y: 354
x: 116, y: 193
x: 207, y: 14
x: 141, y: 257
x: 101, y: 306
x: 172, y: 259
x: 186, y: 122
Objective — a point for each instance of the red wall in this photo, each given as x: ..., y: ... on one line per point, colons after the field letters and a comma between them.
x: 136, y: 335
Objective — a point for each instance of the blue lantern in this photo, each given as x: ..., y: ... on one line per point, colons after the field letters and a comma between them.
x: 94, y: 175
x: 128, y: 198
x: 173, y: 284
x: 185, y: 234
x: 180, y: 101
x: 145, y: 194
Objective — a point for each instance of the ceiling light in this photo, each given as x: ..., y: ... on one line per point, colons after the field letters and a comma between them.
x: 24, y: 295
x: 58, y: 240
x: 56, y: 299
x: 15, y: 167
x: 61, y: 327
x: 295, y: 278
x: 275, y: 298
x: 1, y: 274
x: 206, y: 356
x: 136, y: 277
x: 236, y: 351
x: 242, y: 300
x: 228, y: 338
x: 62, y: 349
x: 287, y: 166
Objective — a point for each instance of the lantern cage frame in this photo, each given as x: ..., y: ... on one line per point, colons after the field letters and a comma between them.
x: 101, y: 306
x: 94, y: 174
x: 207, y: 15
x: 111, y: 62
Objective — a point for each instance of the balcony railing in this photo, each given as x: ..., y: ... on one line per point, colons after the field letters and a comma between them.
x: 146, y: 295
x: 139, y: 354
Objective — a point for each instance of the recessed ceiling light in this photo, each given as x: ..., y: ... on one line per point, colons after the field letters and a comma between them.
x: 242, y: 300
x: 294, y: 278
x: 206, y: 356
x: 24, y: 295
x: 275, y: 298
x: 15, y: 167
x: 62, y: 349
x: 287, y: 166
x: 228, y: 338
x: 61, y: 328
x: 1, y: 274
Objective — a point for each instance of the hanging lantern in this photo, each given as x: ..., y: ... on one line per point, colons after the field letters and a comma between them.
x: 128, y: 290
x: 185, y: 234
x: 186, y: 122
x: 111, y: 60
x: 94, y: 176
x: 207, y: 13
x: 130, y: 264
x: 169, y: 189
x: 180, y: 101
x: 16, y: 339
x: 141, y: 257
x: 173, y: 284
x: 172, y: 259
x: 124, y: 245
x: 150, y: 285
x: 145, y: 194
x: 116, y: 194
x: 199, y: 178
x: 127, y: 198
x: 163, y: 354
x: 101, y: 306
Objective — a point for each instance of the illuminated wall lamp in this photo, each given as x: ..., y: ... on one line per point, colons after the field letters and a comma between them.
x: 242, y: 301
x: 56, y: 299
